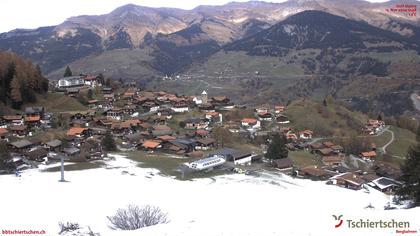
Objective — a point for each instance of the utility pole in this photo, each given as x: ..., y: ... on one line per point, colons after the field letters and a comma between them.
x: 62, y: 169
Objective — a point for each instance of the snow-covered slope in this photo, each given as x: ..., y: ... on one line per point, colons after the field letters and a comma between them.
x: 226, y: 205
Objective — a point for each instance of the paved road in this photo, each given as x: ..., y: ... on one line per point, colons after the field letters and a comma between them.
x: 383, y: 149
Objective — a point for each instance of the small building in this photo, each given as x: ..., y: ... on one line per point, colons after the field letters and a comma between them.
x: 72, y: 92
x: 205, y: 144
x: 181, y: 146
x: 214, y: 117
x: 38, y: 154
x: 180, y: 107
x: 324, y: 151
x: 332, y: 160
x: 21, y: 145
x: 313, y: 172
x: 348, y: 180
x: 235, y: 156
x: 13, y: 120
x: 315, y: 146
x: 264, y: 116
x: 251, y: 123
x: 306, y: 134
x: 107, y: 90
x: 284, y: 165
x: 53, y: 145
x: 35, y: 111
x: 195, y: 123
x: 78, y: 132
x: 33, y: 120
x: 369, y: 156
x: 115, y: 113
x: 19, y: 130
x: 91, y: 81
x: 207, y: 163
x: 328, y: 144
x: 263, y: 109
x: 71, y: 82
x: 386, y: 185
x: 71, y: 151
x: 278, y: 109
x: 4, y: 134
x: 282, y: 119
x: 151, y: 144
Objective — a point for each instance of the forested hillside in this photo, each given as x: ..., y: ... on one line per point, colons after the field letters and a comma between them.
x: 20, y: 80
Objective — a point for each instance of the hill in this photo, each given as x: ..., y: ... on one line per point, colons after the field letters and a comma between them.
x: 330, y: 120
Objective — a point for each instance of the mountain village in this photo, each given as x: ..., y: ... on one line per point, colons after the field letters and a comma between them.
x: 200, y: 129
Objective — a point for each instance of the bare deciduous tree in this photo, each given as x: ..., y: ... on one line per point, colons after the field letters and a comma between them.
x: 135, y: 217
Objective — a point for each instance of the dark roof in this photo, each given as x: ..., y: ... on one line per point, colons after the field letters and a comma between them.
x: 316, y: 145
x: 54, y: 143
x: 183, y: 141
x: 32, y: 110
x: 193, y: 120
x: 283, y: 163
x: 18, y: 127
x: 384, y: 182
x: 206, y: 141
x: 72, y: 90
x: 21, y: 144
x: 325, y: 151
x: 37, y: 153
x: 71, y: 150
x: 240, y: 155
x: 225, y: 152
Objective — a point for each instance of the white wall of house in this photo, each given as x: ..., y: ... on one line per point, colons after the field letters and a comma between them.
x: 91, y: 83
x: 180, y: 109
x: 265, y: 119
x: 303, y: 136
x: 154, y: 109
x: 197, y: 101
x: 70, y: 82
x: 243, y: 161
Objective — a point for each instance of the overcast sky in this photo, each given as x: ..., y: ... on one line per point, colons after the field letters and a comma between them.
x: 35, y: 13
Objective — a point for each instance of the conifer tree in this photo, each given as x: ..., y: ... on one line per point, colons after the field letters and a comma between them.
x: 67, y: 72
x: 411, y: 176
x: 277, y: 148
x: 108, y: 142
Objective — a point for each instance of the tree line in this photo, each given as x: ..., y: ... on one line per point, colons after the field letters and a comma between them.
x: 20, y: 80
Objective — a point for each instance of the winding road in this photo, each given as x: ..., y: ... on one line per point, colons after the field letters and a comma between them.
x: 383, y: 149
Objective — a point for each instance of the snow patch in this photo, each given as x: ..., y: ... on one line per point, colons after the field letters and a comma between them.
x: 266, y: 203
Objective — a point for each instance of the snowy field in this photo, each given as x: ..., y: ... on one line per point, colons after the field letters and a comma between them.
x: 227, y: 205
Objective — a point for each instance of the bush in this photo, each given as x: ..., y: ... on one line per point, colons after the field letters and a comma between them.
x: 68, y: 227
x: 135, y: 217
x: 74, y: 229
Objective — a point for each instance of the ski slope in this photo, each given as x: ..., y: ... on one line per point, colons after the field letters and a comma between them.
x: 229, y: 205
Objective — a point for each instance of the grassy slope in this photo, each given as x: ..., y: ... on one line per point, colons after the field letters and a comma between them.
x: 381, y: 140
x: 234, y: 63
x: 57, y: 102
x: 337, y: 121
x: 117, y: 63
x: 403, y: 140
x: 303, y: 158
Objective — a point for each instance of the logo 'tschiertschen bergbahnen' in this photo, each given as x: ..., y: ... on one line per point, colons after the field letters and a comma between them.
x: 339, y: 220
x: 399, y: 226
